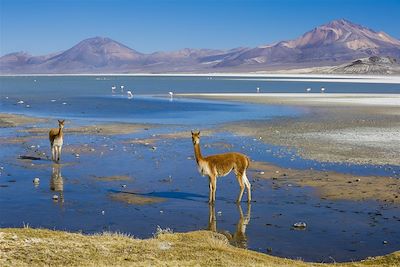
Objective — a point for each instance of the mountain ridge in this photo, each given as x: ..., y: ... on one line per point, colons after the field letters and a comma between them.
x: 333, y: 43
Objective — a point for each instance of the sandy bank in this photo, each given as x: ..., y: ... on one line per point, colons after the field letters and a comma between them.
x: 308, y: 99
x: 134, y: 198
x: 338, y: 136
x: 34, y: 247
x: 13, y: 120
x: 354, y: 128
x: 165, y: 136
x: 332, y: 185
x: 113, y: 178
x: 101, y: 129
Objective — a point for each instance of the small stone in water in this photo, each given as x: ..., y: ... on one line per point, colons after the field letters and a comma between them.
x: 300, y: 225
x: 124, y: 185
x: 55, y: 197
x: 385, y: 242
x: 262, y: 173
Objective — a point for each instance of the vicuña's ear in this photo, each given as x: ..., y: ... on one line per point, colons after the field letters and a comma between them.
x: 198, y: 133
x: 59, y: 121
x: 62, y: 121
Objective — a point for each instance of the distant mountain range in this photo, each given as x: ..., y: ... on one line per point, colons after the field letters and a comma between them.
x: 335, y: 43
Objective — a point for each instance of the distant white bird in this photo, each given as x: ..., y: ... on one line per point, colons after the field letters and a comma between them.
x: 308, y: 89
x: 122, y: 88
x: 322, y: 89
x: 171, y: 95
x: 258, y: 89
x: 129, y: 93
x: 113, y: 88
x: 20, y: 102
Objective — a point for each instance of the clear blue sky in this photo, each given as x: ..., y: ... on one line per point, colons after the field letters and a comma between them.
x: 44, y: 26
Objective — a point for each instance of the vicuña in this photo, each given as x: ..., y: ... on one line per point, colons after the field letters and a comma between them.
x: 221, y: 165
x: 56, y: 137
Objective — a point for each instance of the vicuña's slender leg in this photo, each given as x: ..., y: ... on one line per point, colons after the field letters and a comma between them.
x: 211, y: 191
x: 239, y: 177
x: 214, y: 183
x: 248, y: 186
x: 53, y: 153
x: 59, y: 152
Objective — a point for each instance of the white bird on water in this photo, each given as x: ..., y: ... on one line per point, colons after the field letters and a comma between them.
x: 258, y: 89
x: 308, y: 89
x: 113, y: 88
x: 322, y: 89
x: 171, y: 95
x: 130, y: 95
x: 122, y: 88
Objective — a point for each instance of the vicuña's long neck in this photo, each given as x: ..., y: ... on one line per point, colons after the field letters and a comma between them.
x: 60, y: 132
x: 197, y: 153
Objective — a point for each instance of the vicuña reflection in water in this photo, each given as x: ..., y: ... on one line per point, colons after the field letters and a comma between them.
x: 57, y: 181
x: 239, y: 238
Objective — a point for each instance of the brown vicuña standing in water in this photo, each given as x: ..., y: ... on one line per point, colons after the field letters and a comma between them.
x: 56, y: 137
x: 221, y: 165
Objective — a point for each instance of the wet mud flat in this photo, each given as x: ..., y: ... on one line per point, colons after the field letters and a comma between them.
x: 350, y: 128
x: 134, y: 182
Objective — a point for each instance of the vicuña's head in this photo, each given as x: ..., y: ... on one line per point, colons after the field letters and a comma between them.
x: 196, y: 137
x: 61, y: 123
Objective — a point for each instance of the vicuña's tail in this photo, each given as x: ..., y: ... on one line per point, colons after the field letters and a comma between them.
x: 248, y: 161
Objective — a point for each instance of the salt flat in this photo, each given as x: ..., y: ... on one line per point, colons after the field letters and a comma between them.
x: 307, y: 98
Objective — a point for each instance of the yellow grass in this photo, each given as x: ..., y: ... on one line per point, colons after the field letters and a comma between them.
x: 36, y: 247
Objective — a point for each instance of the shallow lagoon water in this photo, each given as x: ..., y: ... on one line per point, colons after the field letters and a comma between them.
x: 336, y: 231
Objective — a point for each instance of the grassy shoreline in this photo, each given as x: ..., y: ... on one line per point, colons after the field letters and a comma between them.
x: 41, y: 247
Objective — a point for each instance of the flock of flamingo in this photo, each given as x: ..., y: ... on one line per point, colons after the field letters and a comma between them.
x: 130, y: 94
x: 171, y: 94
